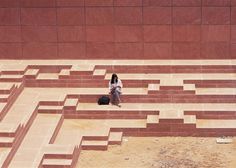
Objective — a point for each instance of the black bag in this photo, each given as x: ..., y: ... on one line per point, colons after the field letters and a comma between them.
x: 104, y: 100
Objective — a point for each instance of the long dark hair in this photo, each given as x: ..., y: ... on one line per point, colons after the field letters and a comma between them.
x: 114, y: 76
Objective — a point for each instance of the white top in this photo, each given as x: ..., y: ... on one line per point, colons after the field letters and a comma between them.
x: 119, y: 83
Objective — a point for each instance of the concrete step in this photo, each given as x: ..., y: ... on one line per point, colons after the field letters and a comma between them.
x: 190, y: 119
x: 8, y: 130
x: 212, y: 114
x: 55, y: 150
x: 70, y: 104
x: 4, y: 97
x: 57, y: 163
x: 6, y: 88
x: 94, y: 145
x: 31, y: 73
x: 115, y: 138
x: 152, y: 119
x: 50, y: 109
x: 64, y: 73
x: 174, y: 79
x: 216, y: 124
x: 216, y: 91
x: 212, y: 83
x: 6, y: 141
x: 168, y: 68
x: 127, y: 111
x: 2, y: 106
x: 47, y: 76
x: 188, y: 87
x: 82, y: 69
x: 153, y: 88
x: 167, y: 108
x: 11, y: 78
x: 4, y: 153
x: 171, y: 116
x: 124, y: 107
x: 99, y: 72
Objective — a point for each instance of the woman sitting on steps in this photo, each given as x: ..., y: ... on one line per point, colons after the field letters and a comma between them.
x: 115, y: 86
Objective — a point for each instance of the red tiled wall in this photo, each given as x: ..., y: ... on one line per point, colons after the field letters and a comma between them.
x: 118, y: 29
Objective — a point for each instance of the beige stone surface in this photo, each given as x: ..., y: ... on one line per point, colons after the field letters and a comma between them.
x: 2, y: 105
x: 3, y: 154
x: 176, y: 78
x: 64, y: 72
x: 190, y: 119
x: 216, y: 91
x: 6, y: 86
x: 32, y: 72
x: 153, y: 87
x: 21, y: 64
x: 53, y: 162
x: 30, y: 153
x: 164, y: 107
x: 72, y: 130
x: 71, y: 102
x: 152, y: 119
x: 48, y: 76
x: 98, y: 72
x: 216, y: 123
x: 115, y: 136
x: 11, y: 76
x: 83, y: 67
x: 189, y: 87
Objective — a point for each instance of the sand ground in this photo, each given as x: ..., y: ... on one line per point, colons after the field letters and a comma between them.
x: 162, y: 152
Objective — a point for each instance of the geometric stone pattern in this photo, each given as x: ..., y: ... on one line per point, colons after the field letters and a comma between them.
x: 49, y: 111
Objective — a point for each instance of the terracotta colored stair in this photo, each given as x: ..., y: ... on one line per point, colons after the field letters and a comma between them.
x: 168, y: 68
x: 115, y: 138
x: 9, y: 135
x: 157, y: 100
x: 60, y: 156
x: 184, y: 124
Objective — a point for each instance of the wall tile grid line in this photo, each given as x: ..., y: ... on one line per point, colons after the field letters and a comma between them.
x: 118, y: 29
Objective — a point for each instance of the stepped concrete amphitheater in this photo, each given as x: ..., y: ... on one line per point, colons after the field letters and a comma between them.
x: 177, y: 62
x: 49, y: 111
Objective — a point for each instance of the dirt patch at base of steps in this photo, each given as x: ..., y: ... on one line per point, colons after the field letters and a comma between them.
x: 162, y: 152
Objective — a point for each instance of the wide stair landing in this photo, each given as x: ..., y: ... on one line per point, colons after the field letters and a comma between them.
x: 49, y: 111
